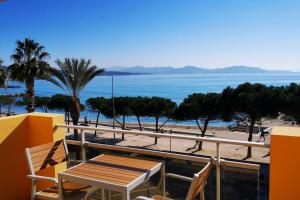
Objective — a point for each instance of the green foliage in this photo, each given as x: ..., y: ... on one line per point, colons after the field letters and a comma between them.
x: 139, y: 108
x: 30, y: 64
x: 202, y: 108
x: 254, y: 101
x: 121, y: 109
x: 40, y: 102
x: 161, y: 107
x: 4, y: 75
x: 96, y: 104
x: 6, y: 100
x: 291, y: 101
x: 74, y: 75
x: 199, y: 107
x: 62, y: 102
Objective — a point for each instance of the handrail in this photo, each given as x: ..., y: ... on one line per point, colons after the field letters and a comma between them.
x: 218, y: 141
x: 164, y: 154
x: 173, y: 136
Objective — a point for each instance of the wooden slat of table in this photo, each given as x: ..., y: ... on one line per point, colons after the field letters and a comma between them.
x: 129, y: 162
x: 113, y: 169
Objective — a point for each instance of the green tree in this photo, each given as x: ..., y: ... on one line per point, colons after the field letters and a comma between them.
x: 202, y: 108
x: 122, y: 109
x: 30, y: 64
x: 97, y: 105
x: 61, y: 102
x: 75, y: 74
x: 40, y: 102
x: 7, y: 100
x: 4, y: 75
x: 139, y: 108
x: 291, y: 101
x: 160, y: 107
x: 252, y: 102
x: 43, y: 102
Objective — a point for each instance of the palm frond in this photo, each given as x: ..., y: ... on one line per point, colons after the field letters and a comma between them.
x: 75, y: 74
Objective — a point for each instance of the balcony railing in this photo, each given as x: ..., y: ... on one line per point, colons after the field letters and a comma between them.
x: 217, y: 160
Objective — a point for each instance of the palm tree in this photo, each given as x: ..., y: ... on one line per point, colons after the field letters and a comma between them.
x: 75, y: 74
x: 29, y: 65
x: 3, y: 75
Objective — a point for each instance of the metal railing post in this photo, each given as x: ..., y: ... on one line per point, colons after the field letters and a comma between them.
x: 218, y: 174
x: 82, y: 145
x: 163, y: 178
x: 170, y: 140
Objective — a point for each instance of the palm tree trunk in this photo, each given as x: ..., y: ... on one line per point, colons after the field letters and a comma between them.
x: 30, y: 94
x: 97, y: 120
x: 249, y: 151
x: 67, y: 120
x: 75, y: 114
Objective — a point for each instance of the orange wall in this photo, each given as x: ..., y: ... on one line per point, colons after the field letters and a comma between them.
x: 285, y: 163
x: 17, y: 133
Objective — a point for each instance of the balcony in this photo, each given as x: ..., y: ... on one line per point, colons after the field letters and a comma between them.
x: 229, y: 178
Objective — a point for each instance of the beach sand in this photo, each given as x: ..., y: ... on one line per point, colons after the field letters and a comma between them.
x: 177, y: 145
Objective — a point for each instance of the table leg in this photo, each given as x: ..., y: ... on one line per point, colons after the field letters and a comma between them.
x: 60, y: 188
x: 109, y: 195
x: 102, y: 194
x: 163, y: 178
x: 126, y: 195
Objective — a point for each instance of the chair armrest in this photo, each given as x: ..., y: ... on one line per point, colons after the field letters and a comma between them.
x: 143, y: 198
x: 180, y: 177
x: 76, y: 161
x: 54, y: 180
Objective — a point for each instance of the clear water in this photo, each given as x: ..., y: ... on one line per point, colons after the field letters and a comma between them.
x: 175, y: 87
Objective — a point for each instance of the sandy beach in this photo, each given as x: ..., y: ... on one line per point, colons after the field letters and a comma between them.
x: 209, y: 149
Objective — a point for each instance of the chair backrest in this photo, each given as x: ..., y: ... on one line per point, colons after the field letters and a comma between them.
x: 199, y: 181
x: 46, y: 155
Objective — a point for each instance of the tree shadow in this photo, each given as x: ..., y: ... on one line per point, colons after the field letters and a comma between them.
x: 193, y: 147
x: 267, y: 155
x: 142, y: 147
x: 246, y: 157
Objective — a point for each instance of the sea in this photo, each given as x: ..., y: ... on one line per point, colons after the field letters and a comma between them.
x: 175, y: 87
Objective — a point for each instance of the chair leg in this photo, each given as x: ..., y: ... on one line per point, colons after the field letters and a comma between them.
x: 202, y: 197
x: 33, y: 189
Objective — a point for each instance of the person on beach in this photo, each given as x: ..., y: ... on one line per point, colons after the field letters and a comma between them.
x: 213, y: 131
x: 263, y: 133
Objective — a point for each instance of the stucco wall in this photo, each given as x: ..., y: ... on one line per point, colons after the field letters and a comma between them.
x: 17, y: 133
x: 285, y: 163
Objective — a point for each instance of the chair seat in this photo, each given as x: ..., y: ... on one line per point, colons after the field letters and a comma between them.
x: 71, y: 191
x: 157, y: 197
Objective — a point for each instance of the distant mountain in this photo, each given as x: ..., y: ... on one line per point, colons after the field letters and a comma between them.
x: 189, y: 70
x: 119, y: 73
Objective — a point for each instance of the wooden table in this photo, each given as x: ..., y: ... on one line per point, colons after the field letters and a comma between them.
x: 111, y: 172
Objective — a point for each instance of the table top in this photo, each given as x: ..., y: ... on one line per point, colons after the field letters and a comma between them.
x: 112, y: 172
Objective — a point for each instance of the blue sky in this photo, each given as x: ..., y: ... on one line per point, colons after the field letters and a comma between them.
x: 212, y: 34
